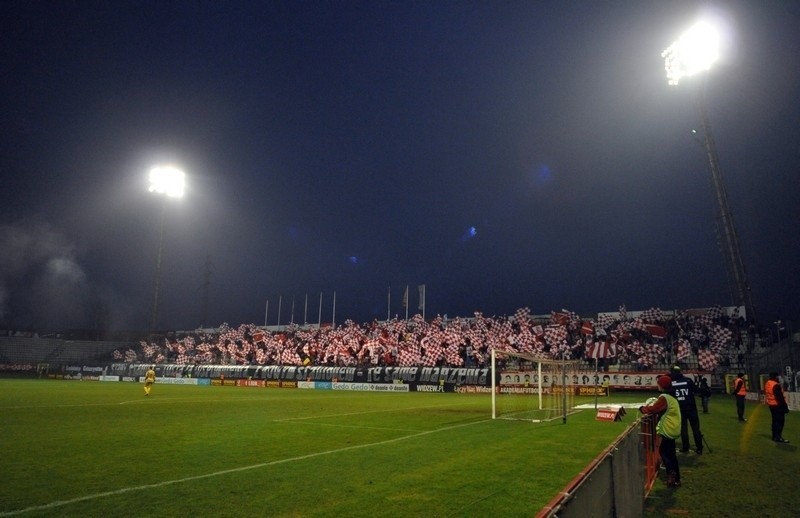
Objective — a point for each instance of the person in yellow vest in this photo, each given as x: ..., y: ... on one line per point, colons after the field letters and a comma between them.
x: 668, y: 428
x: 149, y: 379
x: 773, y: 397
x: 740, y: 391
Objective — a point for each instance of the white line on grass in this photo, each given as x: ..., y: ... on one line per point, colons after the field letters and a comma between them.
x: 200, y: 399
x: 95, y: 496
x: 184, y: 399
x: 144, y: 401
x: 354, y: 426
x: 348, y: 414
x: 112, y: 403
x: 306, y: 419
x: 72, y: 405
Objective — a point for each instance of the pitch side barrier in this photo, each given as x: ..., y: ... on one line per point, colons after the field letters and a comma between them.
x: 410, y: 375
x: 419, y: 379
x: 478, y: 376
x: 617, y: 481
x: 371, y: 379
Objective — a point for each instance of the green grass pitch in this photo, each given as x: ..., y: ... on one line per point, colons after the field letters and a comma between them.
x: 71, y: 448
x: 90, y: 449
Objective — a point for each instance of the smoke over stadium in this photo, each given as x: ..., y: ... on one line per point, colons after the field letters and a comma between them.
x: 42, y: 283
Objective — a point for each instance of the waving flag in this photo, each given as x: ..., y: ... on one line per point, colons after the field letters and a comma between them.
x: 707, y: 359
x: 683, y: 349
x: 720, y: 336
x: 653, y: 315
x: 601, y: 350
x: 715, y: 312
x: 587, y: 327
x: 521, y: 317
x: 655, y: 331
x: 554, y: 335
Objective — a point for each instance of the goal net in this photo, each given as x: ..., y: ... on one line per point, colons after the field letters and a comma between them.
x: 528, y: 388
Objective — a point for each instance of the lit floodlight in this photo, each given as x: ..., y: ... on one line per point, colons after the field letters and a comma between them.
x: 167, y: 180
x: 695, y: 51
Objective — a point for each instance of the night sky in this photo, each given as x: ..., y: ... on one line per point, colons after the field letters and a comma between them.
x: 505, y: 154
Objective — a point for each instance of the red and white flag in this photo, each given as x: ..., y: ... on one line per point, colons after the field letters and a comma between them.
x: 655, y: 330
x: 683, y: 349
x: 707, y: 359
x: 587, y: 327
x: 561, y: 318
x: 601, y: 350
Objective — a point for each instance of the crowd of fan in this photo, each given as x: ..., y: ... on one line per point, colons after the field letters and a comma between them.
x: 702, y: 337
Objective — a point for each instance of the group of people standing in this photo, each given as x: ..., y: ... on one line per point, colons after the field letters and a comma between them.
x: 677, y: 409
x: 774, y: 399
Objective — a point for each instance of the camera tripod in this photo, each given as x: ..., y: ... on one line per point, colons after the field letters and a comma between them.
x: 708, y: 446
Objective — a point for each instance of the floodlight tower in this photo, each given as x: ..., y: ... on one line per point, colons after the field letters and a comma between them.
x: 695, y: 52
x: 169, y: 182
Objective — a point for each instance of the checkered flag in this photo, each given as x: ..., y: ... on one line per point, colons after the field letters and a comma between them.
x: 605, y: 320
x: 409, y: 355
x: 652, y: 315
x: 707, y: 359
x: 554, y: 335
x: 714, y: 312
x: 683, y: 349
x: 522, y: 317
x: 720, y: 336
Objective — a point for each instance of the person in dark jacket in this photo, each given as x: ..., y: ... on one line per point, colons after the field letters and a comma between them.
x: 704, y: 391
x: 684, y: 390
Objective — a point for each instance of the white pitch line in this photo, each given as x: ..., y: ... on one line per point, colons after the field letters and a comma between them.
x: 71, y: 405
x: 146, y: 401
x: 95, y: 496
x: 354, y: 426
x: 348, y: 414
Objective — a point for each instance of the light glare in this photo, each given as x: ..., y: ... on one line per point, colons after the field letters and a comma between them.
x: 167, y: 180
x: 695, y: 51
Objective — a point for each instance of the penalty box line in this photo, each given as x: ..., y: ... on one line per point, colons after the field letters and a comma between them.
x: 104, y: 494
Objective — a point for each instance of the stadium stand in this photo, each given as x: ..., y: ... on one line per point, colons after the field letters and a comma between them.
x: 702, y: 340
x: 16, y: 349
x: 643, y: 340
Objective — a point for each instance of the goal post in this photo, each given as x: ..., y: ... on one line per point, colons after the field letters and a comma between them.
x: 530, y: 388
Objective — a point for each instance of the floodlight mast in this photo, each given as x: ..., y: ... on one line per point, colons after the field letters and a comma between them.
x: 695, y: 52
x: 169, y: 181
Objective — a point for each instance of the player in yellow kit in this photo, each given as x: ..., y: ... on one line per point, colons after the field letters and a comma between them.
x: 149, y: 379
